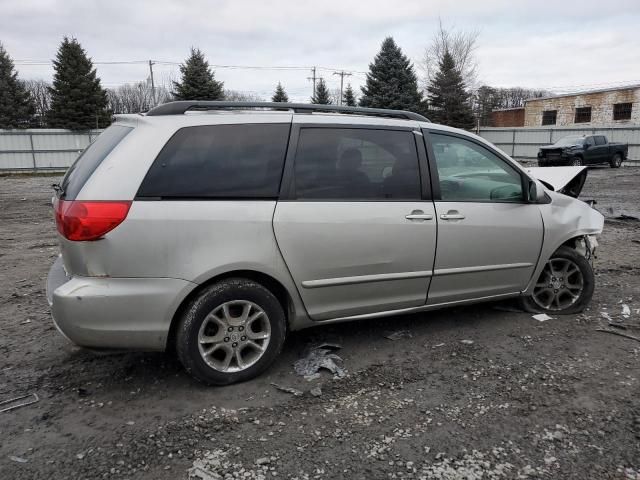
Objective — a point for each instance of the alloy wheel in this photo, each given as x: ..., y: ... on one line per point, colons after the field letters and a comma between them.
x: 234, y: 336
x: 560, y: 285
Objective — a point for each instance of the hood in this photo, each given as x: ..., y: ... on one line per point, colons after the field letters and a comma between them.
x: 567, y: 180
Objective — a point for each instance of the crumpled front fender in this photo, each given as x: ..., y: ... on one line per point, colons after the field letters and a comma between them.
x: 564, y: 218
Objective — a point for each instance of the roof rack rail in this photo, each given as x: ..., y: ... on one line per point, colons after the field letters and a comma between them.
x: 182, y: 106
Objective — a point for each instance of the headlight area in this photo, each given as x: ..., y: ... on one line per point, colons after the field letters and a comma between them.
x: 586, y: 246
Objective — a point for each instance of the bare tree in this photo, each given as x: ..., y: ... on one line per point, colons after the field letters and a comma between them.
x: 39, y: 91
x: 461, y: 44
x: 237, y: 96
x: 136, y: 98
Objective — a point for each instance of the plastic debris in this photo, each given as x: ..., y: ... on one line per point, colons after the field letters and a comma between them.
x: 33, y: 399
x: 626, y: 311
x: 320, y: 357
x: 542, y: 317
x: 13, y: 458
x: 291, y: 390
x: 606, y: 316
x: 467, y: 342
x: 438, y: 345
x: 397, y: 335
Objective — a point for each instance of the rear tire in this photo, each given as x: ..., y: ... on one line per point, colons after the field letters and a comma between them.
x: 231, y: 332
x: 616, y: 161
x: 565, y: 285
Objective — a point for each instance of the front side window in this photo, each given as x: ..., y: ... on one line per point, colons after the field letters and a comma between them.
x: 358, y: 164
x: 219, y: 161
x: 600, y: 140
x: 469, y: 172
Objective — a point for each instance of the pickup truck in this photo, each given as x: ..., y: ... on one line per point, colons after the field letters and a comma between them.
x: 583, y: 150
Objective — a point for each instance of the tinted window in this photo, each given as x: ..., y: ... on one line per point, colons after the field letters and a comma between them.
x: 342, y: 163
x: 219, y: 161
x: 470, y: 172
x: 590, y: 141
x: 91, y: 158
x: 600, y: 140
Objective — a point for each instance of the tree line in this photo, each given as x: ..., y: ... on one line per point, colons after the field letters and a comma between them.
x: 76, y: 99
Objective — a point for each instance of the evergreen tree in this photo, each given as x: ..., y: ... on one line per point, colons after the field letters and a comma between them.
x: 17, y: 108
x: 391, y: 80
x: 280, y: 95
x: 198, y: 81
x: 349, y: 97
x: 321, y: 96
x: 78, y: 101
x: 448, y: 98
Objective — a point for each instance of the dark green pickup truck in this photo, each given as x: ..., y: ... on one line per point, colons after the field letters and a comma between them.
x: 583, y: 150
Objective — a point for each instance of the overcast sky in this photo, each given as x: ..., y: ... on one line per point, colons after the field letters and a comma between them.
x: 557, y: 45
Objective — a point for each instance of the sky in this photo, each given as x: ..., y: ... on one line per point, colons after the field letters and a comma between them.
x: 560, y: 45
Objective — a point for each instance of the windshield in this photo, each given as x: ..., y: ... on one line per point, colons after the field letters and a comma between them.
x: 575, y: 140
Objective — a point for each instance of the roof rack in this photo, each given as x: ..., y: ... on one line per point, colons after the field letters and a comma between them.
x: 182, y: 106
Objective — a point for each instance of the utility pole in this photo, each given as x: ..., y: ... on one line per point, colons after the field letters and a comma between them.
x: 153, y: 87
x: 313, y: 78
x: 342, y: 75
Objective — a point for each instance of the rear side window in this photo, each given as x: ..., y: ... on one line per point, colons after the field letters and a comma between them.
x: 91, y: 158
x: 219, y: 161
x: 358, y: 164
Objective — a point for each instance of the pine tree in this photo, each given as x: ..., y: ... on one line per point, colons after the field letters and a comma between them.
x: 280, y: 95
x: 391, y: 80
x: 16, y: 105
x: 198, y: 81
x: 321, y: 96
x: 448, y: 98
x: 78, y: 101
x: 349, y: 97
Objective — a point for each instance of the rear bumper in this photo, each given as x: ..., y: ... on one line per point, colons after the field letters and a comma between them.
x: 118, y: 313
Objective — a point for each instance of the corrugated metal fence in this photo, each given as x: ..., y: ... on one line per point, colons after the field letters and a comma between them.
x: 42, y: 149
x: 49, y: 149
x: 523, y: 143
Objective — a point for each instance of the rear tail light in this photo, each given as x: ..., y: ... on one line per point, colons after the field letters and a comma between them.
x: 79, y: 220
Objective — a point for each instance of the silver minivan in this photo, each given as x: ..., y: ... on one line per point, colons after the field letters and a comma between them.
x: 214, y: 228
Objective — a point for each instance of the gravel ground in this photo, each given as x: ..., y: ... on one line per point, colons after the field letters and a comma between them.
x: 475, y: 392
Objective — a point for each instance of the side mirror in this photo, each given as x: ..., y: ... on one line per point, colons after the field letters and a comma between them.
x: 535, y: 192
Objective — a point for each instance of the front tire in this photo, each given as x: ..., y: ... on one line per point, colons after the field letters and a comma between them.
x: 565, y: 285
x: 616, y: 161
x: 576, y: 161
x: 231, y: 332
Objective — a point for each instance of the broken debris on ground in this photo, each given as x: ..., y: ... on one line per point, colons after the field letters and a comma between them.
x: 320, y: 357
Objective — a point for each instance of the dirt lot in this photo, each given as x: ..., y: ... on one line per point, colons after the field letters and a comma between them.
x: 526, y: 399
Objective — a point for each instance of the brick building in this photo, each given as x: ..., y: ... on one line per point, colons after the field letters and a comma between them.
x: 507, y: 117
x: 603, y: 108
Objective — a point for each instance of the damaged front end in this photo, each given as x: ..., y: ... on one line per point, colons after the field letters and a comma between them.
x: 566, y: 180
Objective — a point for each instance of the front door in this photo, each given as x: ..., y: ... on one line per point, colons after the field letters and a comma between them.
x: 489, y: 239
x: 357, y: 234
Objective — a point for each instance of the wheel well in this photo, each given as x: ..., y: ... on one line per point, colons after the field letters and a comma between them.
x: 267, y: 281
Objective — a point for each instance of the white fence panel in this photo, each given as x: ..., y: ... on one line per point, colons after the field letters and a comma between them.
x: 42, y: 149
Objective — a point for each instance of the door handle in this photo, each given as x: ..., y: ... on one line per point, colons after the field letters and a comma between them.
x: 418, y: 215
x: 452, y: 216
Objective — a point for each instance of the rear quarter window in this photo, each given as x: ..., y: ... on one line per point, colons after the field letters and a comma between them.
x: 90, y: 159
x: 219, y: 161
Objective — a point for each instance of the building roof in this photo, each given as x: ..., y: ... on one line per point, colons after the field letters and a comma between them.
x: 587, y: 92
